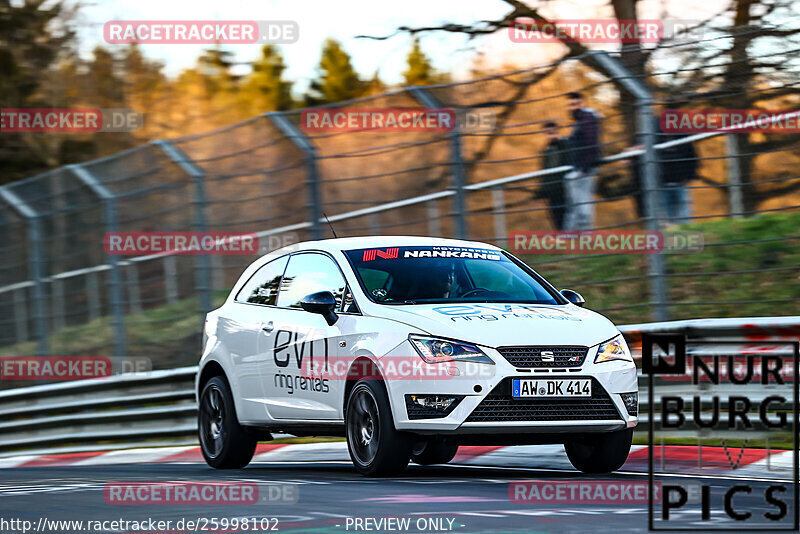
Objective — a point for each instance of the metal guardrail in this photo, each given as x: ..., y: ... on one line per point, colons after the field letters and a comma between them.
x: 155, y: 407
x: 158, y: 407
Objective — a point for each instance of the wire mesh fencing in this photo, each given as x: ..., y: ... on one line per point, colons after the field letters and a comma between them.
x: 63, y: 293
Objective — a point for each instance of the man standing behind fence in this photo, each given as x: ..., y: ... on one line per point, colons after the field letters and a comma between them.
x: 584, y: 150
x: 556, y: 154
x: 678, y: 167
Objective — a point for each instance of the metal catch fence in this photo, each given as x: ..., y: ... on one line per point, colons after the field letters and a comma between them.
x: 62, y: 294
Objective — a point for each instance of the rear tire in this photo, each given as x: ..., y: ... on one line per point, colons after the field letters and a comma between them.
x: 435, y: 451
x: 224, y: 442
x: 375, y: 447
x: 600, y: 453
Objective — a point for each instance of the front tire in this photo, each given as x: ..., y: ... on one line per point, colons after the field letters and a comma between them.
x: 434, y: 451
x: 224, y: 442
x: 375, y: 447
x: 600, y: 453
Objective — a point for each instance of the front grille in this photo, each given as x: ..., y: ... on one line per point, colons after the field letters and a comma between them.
x: 500, y: 406
x: 531, y: 355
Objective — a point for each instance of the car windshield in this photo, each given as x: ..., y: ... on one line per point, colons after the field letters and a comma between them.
x: 412, y: 275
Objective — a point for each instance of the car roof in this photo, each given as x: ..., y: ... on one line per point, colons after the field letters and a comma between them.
x: 351, y: 243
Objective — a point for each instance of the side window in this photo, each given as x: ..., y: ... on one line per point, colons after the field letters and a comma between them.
x: 262, y: 288
x: 308, y: 273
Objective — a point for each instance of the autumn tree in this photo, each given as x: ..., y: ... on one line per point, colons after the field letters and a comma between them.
x: 338, y: 79
x: 419, y: 70
x: 146, y: 90
x: 33, y: 36
x: 206, y: 95
x: 265, y: 89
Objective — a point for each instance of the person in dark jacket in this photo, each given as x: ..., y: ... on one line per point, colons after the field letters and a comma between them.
x: 556, y: 154
x: 678, y: 167
x: 584, y: 150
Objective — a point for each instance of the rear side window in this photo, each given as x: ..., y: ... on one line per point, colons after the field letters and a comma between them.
x: 262, y: 288
x: 309, y: 273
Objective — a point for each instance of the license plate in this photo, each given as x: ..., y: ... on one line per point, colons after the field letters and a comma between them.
x: 552, y: 388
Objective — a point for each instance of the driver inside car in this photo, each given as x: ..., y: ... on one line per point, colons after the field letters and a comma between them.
x: 440, y: 283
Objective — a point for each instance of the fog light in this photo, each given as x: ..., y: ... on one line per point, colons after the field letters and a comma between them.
x: 425, y: 406
x: 434, y: 402
x: 631, y: 401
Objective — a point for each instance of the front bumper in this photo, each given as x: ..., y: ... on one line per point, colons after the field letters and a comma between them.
x: 487, y: 406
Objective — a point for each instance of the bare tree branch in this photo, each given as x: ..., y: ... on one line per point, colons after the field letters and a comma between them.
x: 486, y: 27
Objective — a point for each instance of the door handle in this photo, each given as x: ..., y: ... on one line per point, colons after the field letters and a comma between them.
x: 269, y: 327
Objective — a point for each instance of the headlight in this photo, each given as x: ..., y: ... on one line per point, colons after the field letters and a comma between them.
x: 434, y: 350
x: 613, y: 349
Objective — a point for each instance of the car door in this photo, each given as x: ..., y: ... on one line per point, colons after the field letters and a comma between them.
x: 299, y: 376
x: 252, y: 309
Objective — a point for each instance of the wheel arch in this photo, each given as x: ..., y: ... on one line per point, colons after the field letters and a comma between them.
x: 364, y: 366
x: 209, y: 370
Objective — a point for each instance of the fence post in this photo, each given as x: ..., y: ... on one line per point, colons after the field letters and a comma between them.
x: 170, y: 279
x: 374, y: 223
x: 652, y: 180
x: 434, y: 223
x: 110, y: 213
x: 134, y: 295
x: 57, y: 303
x: 34, y: 264
x: 303, y: 143
x: 499, y: 209
x: 650, y: 174
x: 456, y: 160
x: 217, y: 273
x: 93, y: 295
x: 20, y: 314
x: 198, y: 176
x: 734, y: 176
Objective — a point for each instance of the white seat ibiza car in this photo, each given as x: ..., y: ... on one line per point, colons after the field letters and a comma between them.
x: 410, y: 347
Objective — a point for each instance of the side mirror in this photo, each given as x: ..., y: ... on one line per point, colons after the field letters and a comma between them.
x: 574, y: 297
x: 322, y: 303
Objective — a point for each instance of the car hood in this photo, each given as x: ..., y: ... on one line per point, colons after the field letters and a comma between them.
x: 498, y: 324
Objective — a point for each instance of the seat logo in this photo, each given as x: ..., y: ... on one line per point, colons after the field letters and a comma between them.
x: 389, y: 254
x: 547, y: 356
